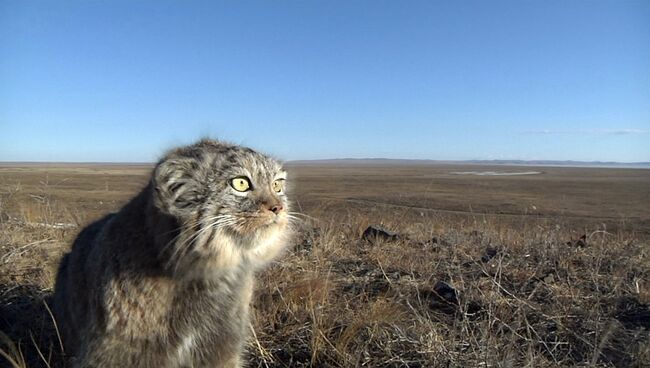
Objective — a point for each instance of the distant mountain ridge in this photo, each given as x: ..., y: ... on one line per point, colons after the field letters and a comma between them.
x: 388, y: 161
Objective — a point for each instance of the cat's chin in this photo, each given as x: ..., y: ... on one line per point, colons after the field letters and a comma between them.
x: 265, y: 230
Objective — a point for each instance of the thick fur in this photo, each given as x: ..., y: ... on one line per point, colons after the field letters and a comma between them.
x: 167, y: 281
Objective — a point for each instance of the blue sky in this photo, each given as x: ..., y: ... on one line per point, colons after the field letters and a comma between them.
x: 124, y: 80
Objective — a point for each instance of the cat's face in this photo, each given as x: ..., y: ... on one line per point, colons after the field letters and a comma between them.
x: 250, y: 195
x: 216, y: 186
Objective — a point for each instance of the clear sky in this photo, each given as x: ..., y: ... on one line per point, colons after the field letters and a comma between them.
x: 124, y: 80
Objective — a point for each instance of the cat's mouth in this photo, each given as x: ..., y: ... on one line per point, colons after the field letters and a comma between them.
x: 273, y: 220
x: 259, y: 222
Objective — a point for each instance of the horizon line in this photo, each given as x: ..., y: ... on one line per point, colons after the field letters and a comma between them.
x: 501, y: 161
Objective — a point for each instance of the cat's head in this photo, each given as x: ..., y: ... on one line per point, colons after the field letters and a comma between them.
x: 213, y: 185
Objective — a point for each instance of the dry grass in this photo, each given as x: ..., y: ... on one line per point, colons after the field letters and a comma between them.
x: 341, y: 301
x: 523, y: 296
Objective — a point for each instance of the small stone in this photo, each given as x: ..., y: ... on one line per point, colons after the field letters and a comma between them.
x: 549, y: 279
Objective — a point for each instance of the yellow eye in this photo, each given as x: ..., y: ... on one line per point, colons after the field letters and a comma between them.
x: 278, y: 185
x: 240, y: 184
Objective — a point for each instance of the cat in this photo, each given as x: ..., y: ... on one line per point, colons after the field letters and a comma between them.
x: 167, y: 281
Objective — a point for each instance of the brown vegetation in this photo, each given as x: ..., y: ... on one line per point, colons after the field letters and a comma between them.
x: 541, y: 270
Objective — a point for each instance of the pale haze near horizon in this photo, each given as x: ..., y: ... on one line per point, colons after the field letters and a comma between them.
x: 122, y: 82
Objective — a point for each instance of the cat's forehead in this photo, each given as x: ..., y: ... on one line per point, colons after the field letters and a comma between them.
x: 216, y: 158
x: 246, y: 161
x: 258, y: 164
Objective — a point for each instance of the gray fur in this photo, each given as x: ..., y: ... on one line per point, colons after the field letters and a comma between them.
x: 167, y: 281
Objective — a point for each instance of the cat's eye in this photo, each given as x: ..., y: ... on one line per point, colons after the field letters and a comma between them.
x: 240, y: 184
x: 278, y: 185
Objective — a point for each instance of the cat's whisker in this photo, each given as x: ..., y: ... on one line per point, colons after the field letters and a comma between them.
x: 186, y: 228
x: 182, y: 248
x: 173, y: 241
x: 218, y: 222
x: 304, y: 215
x: 183, y: 243
x: 196, y: 236
x: 293, y: 218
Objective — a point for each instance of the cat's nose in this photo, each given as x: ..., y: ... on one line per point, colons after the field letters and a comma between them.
x: 276, y: 208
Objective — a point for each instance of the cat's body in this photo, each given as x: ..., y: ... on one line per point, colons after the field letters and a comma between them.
x: 167, y: 281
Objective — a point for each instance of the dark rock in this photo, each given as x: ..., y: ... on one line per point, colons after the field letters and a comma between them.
x: 474, y: 310
x: 632, y: 313
x: 490, y: 252
x: 446, y: 292
x: 375, y: 233
x: 442, y: 297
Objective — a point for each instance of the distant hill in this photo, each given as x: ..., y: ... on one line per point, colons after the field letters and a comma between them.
x: 370, y: 161
x: 387, y: 161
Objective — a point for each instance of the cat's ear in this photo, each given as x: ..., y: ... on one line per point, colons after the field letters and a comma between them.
x: 176, y: 188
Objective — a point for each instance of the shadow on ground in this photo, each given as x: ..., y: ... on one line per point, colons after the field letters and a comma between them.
x: 28, y: 336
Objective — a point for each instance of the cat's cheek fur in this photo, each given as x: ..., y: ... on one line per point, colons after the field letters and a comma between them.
x: 257, y: 249
x: 270, y: 244
x: 226, y: 253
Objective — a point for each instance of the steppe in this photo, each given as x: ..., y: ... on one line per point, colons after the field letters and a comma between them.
x: 544, y: 269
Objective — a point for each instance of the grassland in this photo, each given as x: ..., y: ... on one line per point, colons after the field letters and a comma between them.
x: 487, y: 270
